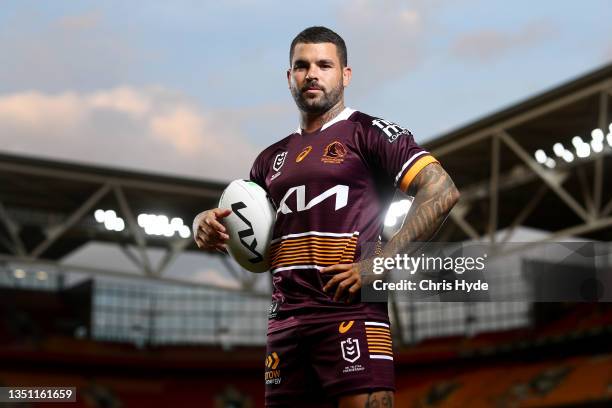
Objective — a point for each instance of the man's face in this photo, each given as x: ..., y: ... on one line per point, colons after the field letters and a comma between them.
x: 316, y: 77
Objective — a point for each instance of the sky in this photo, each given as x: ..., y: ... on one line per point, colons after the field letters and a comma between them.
x: 178, y: 87
x: 198, y: 88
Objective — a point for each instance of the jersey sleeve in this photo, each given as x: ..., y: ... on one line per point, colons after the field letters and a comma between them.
x: 257, y: 174
x: 393, y: 151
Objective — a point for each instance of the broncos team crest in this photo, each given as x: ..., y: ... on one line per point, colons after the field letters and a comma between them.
x: 334, y: 153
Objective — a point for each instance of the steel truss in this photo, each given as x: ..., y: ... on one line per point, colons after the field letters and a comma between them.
x: 593, y: 214
x: 115, y: 187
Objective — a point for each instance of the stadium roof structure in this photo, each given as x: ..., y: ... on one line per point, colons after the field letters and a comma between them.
x: 47, y: 206
x: 505, y: 182
x: 47, y: 210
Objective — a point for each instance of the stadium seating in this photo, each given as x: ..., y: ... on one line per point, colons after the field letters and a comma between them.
x: 563, y: 362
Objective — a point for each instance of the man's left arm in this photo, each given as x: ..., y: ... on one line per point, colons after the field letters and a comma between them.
x: 435, y: 195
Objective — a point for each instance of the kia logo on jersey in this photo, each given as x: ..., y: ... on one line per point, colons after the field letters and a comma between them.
x: 340, y: 192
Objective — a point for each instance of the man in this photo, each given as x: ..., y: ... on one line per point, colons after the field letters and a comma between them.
x: 332, y: 181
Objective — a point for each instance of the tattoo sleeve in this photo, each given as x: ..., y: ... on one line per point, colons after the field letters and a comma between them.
x: 381, y: 399
x: 435, y: 195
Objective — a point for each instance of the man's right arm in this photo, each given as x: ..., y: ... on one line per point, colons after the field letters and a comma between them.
x: 208, y: 232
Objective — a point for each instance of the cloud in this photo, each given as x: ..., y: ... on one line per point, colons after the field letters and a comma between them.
x: 36, y: 112
x: 183, y: 129
x: 149, y: 128
x: 490, y: 44
x: 388, y: 41
x: 122, y: 99
x: 76, y: 51
x: 393, y: 45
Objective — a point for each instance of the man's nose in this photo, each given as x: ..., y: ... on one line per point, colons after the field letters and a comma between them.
x: 312, y: 73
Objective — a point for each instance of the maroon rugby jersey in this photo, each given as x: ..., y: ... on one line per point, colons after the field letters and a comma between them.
x: 332, y: 189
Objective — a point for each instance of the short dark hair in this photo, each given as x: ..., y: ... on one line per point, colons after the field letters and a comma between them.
x: 318, y: 35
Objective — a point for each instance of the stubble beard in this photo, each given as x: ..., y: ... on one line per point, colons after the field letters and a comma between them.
x: 319, y: 105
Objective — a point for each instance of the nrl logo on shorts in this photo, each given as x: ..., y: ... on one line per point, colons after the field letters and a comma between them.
x: 279, y: 160
x: 350, y: 350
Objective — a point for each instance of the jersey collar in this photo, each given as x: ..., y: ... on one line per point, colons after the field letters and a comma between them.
x: 344, y: 115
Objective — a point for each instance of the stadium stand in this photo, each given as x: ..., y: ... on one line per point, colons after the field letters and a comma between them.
x: 565, y: 362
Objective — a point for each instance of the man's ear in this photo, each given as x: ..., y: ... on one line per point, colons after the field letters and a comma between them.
x: 347, y: 74
x: 289, y: 78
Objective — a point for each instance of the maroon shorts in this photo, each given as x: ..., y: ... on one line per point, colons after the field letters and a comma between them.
x: 312, y: 365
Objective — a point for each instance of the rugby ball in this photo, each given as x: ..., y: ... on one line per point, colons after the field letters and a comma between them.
x: 249, y: 225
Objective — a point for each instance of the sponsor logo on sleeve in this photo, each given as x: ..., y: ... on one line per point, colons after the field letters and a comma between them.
x: 391, y: 130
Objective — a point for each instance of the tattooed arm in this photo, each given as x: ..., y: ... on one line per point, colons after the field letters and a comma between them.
x: 376, y: 399
x: 435, y: 195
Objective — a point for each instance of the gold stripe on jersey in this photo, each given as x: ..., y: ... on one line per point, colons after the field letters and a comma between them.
x: 379, y: 340
x: 378, y: 336
x: 415, y: 169
x: 380, y: 344
x: 376, y: 329
x: 384, y: 350
x: 313, y: 250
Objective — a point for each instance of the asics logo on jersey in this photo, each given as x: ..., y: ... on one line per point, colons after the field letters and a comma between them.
x: 392, y: 130
x: 303, y: 154
x: 340, y: 192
